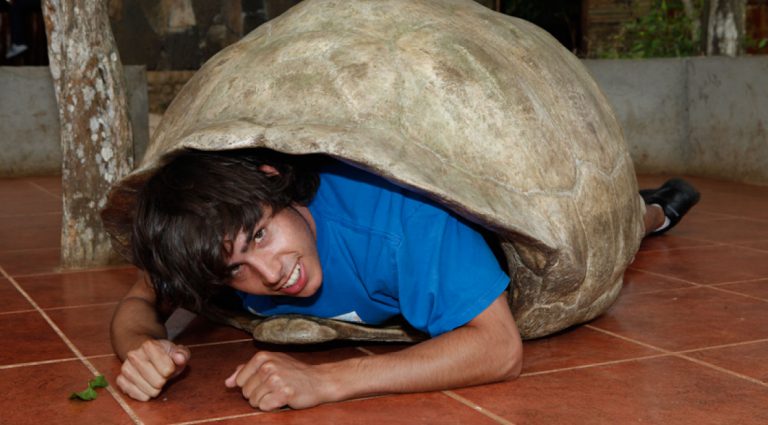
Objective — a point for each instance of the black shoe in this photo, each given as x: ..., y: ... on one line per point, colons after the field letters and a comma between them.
x: 675, y: 197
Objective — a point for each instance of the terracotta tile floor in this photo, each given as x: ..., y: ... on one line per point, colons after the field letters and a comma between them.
x: 686, y: 343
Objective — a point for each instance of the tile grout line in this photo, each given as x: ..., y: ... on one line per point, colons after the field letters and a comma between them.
x: 15, y: 365
x: 283, y: 409
x: 56, y: 196
x: 727, y: 291
x: 700, y: 285
x: 634, y: 341
x: 681, y: 355
x: 69, y: 307
x: 670, y: 352
x: 128, y: 410
x: 29, y: 310
x: 723, y: 370
x: 717, y: 347
x: 40, y: 214
x: 590, y: 365
x: 100, y: 356
x: 657, y: 274
x: 718, y: 243
x: 219, y: 419
x: 477, y: 408
x: 732, y: 282
x: 748, y: 248
x: 458, y: 398
x: 28, y: 249
x: 62, y: 360
x: 715, y: 286
x: 65, y: 307
x: 707, y: 244
x: 65, y: 272
x: 210, y: 344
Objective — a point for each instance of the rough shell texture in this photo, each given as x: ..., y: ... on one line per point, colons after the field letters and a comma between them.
x: 484, y: 112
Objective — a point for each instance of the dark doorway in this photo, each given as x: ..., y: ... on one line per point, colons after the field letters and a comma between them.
x: 561, y: 18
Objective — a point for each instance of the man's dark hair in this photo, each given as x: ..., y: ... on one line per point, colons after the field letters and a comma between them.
x: 199, y: 199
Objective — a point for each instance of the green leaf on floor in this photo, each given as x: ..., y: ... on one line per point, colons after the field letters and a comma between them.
x: 98, y: 382
x: 90, y: 393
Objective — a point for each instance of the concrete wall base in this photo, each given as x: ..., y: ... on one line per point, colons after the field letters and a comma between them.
x: 705, y: 116
x: 29, y: 120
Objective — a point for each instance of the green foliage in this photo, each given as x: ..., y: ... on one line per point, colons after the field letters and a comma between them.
x: 752, y: 43
x: 90, y: 392
x: 665, y: 31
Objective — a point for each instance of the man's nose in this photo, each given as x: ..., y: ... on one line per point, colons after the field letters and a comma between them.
x: 269, y: 268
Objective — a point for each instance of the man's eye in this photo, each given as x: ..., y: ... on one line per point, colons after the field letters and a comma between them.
x: 258, y: 235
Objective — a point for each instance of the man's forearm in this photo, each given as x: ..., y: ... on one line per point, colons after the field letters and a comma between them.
x: 135, y: 320
x: 483, y: 352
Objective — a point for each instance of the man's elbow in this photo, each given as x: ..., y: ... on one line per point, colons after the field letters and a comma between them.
x: 508, y: 355
x: 513, y: 361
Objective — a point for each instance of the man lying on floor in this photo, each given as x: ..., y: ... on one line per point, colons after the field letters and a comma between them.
x: 329, y: 241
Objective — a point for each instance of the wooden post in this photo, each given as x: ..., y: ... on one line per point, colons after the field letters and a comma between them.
x: 96, y: 136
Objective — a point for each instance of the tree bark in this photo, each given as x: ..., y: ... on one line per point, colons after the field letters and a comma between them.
x: 694, y: 16
x: 96, y: 135
x: 724, y: 22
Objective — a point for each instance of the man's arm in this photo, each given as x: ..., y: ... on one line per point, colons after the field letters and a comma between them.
x: 139, y: 339
x: 487, y: 349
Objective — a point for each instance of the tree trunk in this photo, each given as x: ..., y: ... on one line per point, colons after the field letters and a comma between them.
x: 96, y: 136
x: 694, y: 16
x: 724, y: 27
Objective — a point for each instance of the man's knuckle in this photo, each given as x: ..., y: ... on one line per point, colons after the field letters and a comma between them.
x: 128, y: 371
x: 157, y: 383
x: 262, y: 356
x: 274, y: 380
x: 165, y: 370
x: 133, y: 356
x: 120, y: 380
x: 288, y: 392
x: 151, y: 345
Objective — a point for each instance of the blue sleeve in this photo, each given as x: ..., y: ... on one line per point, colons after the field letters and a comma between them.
x: 447, y: 273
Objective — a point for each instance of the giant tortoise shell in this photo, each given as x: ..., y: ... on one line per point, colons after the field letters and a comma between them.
x: 483, y: 112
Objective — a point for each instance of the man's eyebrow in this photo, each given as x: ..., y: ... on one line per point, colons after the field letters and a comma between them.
x: 248, y: 238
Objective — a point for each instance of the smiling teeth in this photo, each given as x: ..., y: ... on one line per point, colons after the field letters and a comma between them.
x: 293, y: 278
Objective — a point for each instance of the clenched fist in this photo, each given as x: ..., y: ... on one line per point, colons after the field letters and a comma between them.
x: 270, y: 381
x: 147, y: 368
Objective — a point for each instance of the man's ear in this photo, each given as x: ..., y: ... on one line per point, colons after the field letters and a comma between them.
x: 269, y: 170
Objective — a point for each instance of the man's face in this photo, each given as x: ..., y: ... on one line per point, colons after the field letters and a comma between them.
x: 281, y: 257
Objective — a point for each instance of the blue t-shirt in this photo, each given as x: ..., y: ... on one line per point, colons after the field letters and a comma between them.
x: 386, y: 251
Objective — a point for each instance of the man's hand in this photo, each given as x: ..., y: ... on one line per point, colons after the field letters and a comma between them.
x: 147, y: 368
x: 270, y: 381
x: 487, y: 349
